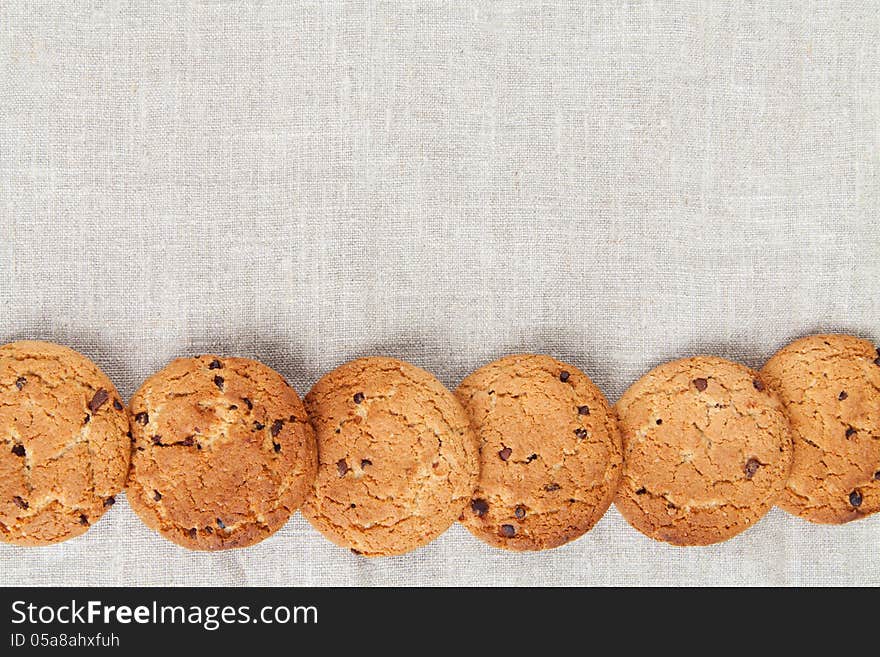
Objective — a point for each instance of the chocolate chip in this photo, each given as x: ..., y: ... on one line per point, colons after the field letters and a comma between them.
x: 83, y: 519
x: 357, y: 552
x: 641, y: 491
x: 671, y: 505
x: 220, y: 524
x: 581, y: 433
x: 850, y: 432
x: 751, y: 467
x: 192, y: 532
x: 110, y: 501
x: 87, y: 419
x: 100, y: 398
x: 842, y: 395
x: 520, y: 512
x: 352, y: 506
x: 248, y: 403
x: 480, y: 507
x: 877, y: 475
x: 19, y: 502
x: 700, y: 384
x: 276, y: 427
x: 552, y: 487
x: 563, y: 376
x: 659, y: 421
x: 20, y: 382
x: 855, y: 498
x: 358, y: 397
x: 117, y: 405
x: 505, y: 453
x: 276, y: 447
x: 188, y: 442
x: 142, y: 419
x: 583, y: 410
x: 365, y: 463
x: 759, y: 385
x: 18, y: 450
x: 531, y: 458
x: 215, y: 365
x: 508, y: 531
x: 259, y: 426
x: 292, y: 418
x: 157, y: 495
x: 342, y: 467
x: 218, y: 381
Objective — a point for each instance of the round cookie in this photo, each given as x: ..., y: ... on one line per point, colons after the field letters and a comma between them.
x: 222, y: 452
x: 550, y: 453
x: 397, y: 457
x: 706, y: 451
x: 64, y: 444
x: 830, y: 387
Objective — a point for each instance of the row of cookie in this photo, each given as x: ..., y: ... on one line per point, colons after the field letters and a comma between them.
x: 219, y: 452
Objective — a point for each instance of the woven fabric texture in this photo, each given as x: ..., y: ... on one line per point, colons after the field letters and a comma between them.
x: 615, y: 184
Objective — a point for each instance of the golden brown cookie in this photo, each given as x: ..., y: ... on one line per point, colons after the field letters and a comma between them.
x: 830, y: 386
x: 397, y: 457
x: 64, y: 444
x: 550, y: 453
x: 223, y: 452
x: 706, y: 451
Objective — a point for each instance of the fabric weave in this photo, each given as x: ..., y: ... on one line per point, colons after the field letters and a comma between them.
x: 612, y: 183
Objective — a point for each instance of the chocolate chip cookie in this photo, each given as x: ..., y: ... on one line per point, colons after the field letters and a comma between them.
x: 222, y: 452
x: 550, y: 453
x: 397, y: 457
x: 830, y: 386
x: 64, y: 445
x: 707, y: 451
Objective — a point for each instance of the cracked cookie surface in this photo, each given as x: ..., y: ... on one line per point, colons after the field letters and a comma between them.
x: 222, y: 452
x: 64, y: 447
x: 707, y: 451
x: 830, y: 387
x: 550, y: 453
x: 397, y: 457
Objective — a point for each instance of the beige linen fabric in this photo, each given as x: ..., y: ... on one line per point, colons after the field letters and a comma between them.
x: 615, y: 184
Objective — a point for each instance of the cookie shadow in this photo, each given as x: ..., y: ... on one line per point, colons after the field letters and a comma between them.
x: 417, y: 348
x: 751, y: 354
x: 571, y: 347
x: 453, y: 359
x: 108, y: 353
x: 865, y: 332
x: 283, y: 353
x: 755, y: 354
